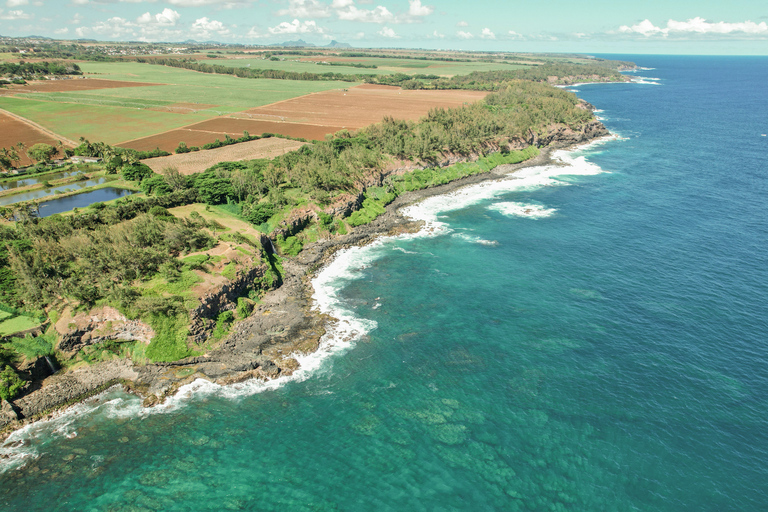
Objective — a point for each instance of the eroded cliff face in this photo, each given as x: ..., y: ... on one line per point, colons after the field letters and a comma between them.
x: 203, y: 317
x: 561, y: 136
x: 101, y: 324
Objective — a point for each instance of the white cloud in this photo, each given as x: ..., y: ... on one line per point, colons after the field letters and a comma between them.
x: 388, y: 32
x: 203, y: 27
x: 514, y: 35
x: 462, y: 24
x: 201, y: 3
x: 464, y: 35
x: 306, y: 9
x: 346, y: 10
x: 167, y: 17
x: 436, y: 35
x: 79, y: 2
x: 61, y: 31
x: 696, y: 25
x: 15, y: 15
x: 378, y: 14
x: 416, y: 9
x: 296, y: 27
x: 487, y: 34
x: 76, y: 19
x: 16, y: 3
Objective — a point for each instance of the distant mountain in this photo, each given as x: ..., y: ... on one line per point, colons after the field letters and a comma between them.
x: 297, y: 43
x: 335, y: 44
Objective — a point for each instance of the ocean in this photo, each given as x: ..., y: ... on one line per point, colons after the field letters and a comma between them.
x: 589, y: 336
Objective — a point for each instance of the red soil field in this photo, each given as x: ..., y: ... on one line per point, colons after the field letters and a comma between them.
x: 313, y: 116
x: 75, y: 84
x: 13, y: 131
x: 208, y: 131
x: 363, y: 105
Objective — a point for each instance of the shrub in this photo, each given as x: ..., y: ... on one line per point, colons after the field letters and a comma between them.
x: 10, y: 383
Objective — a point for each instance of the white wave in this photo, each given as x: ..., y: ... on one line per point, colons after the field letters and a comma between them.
x: 646, y: 80
x: 26, y: 443
x: 532, y: 211
x: 474, y: 239
x: 572, y: 162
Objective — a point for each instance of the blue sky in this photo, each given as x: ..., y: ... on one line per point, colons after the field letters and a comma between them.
x: 599, y: 26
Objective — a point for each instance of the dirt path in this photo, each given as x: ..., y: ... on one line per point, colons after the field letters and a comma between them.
x: 41, y: 129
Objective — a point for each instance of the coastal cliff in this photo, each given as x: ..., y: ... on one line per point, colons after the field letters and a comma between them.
x: 281, y: 324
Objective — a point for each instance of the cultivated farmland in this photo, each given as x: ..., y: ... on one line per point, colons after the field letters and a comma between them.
x: 197, y: 161
x: 13, y: 130
x: 360, y: 106
x: 313, y: 116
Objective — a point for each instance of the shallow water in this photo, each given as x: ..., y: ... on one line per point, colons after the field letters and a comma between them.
x: 23, y: 182
x: 51, y: 191
x: 607, y: 355
x: 65, y: 204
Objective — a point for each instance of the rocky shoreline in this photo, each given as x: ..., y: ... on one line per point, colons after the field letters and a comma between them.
x: 260, y: 346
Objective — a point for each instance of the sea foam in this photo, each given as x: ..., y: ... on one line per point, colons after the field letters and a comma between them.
x: 27, y: 443
x: 531, y: 211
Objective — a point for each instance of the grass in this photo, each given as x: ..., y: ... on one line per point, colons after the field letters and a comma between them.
x: 227, y: 92
x: 98, y: 123
x: 170, y: 341
x: 122, y: 114
x: 17, y: 324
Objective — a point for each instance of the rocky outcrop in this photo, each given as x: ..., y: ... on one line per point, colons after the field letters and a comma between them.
x: 561, y: 136
x: 297, y: 221
x: 203, y: 317
x: 100, y: 325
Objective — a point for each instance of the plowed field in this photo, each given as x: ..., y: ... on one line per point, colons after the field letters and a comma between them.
x: 13, y: 131
x: 197, y: 161
x: 363, y: 105
x: 208, y: 131
x: 75, y: 84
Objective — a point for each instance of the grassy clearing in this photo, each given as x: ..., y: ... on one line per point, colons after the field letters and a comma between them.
x: 17, y: 324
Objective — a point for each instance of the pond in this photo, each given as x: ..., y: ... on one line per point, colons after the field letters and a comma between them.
x: 65, y: 204
x: 37, y: 194
x: 23, y: 182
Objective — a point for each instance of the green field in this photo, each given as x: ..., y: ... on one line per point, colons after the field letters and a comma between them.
x: 17, y: 324
x: 122, y: 114
x: 385, y: 66
x: 98, y: 123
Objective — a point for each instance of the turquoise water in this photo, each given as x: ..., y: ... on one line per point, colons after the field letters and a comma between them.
x: 570, y: 340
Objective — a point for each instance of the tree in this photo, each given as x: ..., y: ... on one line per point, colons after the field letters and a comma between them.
x: 42, y: 152
x: 174, y: 178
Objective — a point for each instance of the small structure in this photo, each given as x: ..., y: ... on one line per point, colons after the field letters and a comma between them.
x: 85, y: 159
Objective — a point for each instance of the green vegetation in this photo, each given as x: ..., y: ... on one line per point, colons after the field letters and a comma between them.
x: 153, y: 257
x: 170, y: 341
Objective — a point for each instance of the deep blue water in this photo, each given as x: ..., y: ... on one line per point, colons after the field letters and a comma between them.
x: 587, y: 342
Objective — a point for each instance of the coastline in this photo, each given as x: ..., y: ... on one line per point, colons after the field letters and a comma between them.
x: 263, y: 348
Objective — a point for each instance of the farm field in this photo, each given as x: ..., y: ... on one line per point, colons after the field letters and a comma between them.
x: 74, y: 84
x: 384, y: 66
x: 131, y: 110
x: 197, y: 161
x: 313, y: 116
x: 363, y: 105
x: 217, y: 128
x: 12, y: 131
x: 96, y: 123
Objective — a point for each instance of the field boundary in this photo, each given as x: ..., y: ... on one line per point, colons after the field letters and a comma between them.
x: 41, y: 129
